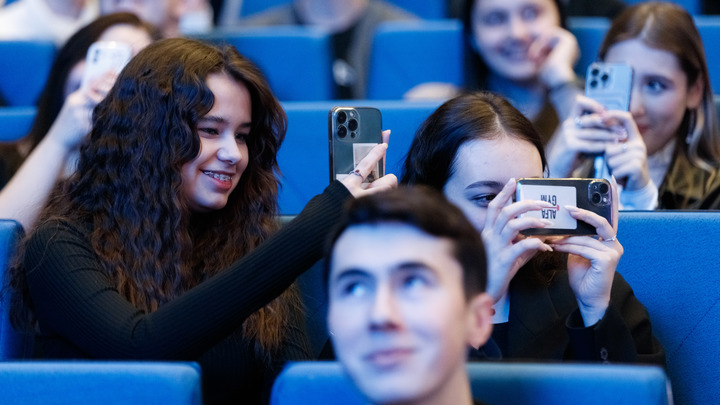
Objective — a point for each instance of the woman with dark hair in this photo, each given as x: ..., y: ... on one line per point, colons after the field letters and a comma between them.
x: 158, y: 247
x: 62, y: 119
x: 555, y: 298
x: 665, y: 151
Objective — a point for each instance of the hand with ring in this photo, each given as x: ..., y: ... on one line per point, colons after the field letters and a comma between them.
x: 354, y: 182
x: 592, y: 261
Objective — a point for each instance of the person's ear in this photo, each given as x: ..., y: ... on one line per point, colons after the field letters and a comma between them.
x: 479, y: 322
x: 695, y: 93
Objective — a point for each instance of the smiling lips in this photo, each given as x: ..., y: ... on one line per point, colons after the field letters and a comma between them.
x: 221, y: 179
x: 388, y: 358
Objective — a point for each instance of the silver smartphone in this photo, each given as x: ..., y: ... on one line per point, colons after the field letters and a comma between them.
x: 352, y: 133
x: 610, y: 84
x: 591, y: 194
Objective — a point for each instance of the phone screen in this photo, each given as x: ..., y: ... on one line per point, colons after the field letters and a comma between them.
x: 105, y: 56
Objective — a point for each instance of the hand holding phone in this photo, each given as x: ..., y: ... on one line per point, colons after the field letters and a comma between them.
x: 352, y: 133
x: 590, y: 194
x: 103, y: 57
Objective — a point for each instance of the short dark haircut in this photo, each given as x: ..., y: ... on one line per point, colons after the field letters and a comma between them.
x: 429, y: 211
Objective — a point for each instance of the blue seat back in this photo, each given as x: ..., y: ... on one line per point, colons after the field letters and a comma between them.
x: 692, y: 6
x: 100, y: 382
x: 589, y: 32
x: 15, y: 122
x: 24, y: 68
x: 13, y: 345
x: 428, y: 9
x: 250, y: 7
x: 671, y: 261
x: 709, y: 28
x: 494, y: 383
x: 407, y: 53
x: 295, y: 60
x: 304, y: 158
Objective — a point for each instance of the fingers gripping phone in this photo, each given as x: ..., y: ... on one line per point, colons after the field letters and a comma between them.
x: 105, y: 56
x: 610, y: 84
x: 591, y: 194
x: 352, y: 133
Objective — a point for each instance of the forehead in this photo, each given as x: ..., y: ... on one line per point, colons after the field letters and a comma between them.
x: 379, y: 249
x: 496, y: 159
x: 644, y: 59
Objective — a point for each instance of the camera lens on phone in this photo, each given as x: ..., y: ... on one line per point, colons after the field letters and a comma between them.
x: 342, y: 131
x: 352, y: 134
x: 593, y: 83
x: 596, y: 198
x: 595, y: 71
x: 353, y: 125
x: 603, y: 188
x: 341, y: 117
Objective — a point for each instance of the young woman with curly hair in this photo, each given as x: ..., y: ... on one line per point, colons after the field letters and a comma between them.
x: 159, y: 246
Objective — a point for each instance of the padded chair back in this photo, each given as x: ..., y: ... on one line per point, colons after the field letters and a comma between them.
x: 494, y: 383
x: 13, y: 345
x: 100, y: 382
x: 407, y: 53
x: 295, y: 60
x: 589, y: 32
x: 15, y: 122
x: 428, y: 9
x: 709, y: 28
x: 250, y: 7
x: 671, y: 261
x: 304, y: 159
x: 24, y: 68
x: 692, y: 6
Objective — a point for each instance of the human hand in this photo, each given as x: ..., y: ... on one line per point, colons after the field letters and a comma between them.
x: 592, y: 262
x: 508, y: 250
x: 555, y: 53
x: 355, y: 182
x: 74, y: 120
x: 627, y: 160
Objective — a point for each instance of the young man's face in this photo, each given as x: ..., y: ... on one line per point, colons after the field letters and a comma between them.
x: 398, y: 317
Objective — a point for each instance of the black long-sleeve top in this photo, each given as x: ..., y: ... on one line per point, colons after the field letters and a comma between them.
x: 81, y: 314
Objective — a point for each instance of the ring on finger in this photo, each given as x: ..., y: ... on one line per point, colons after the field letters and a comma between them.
x: 357, y: 173
x: 578, y: 122
x: 612, y: 239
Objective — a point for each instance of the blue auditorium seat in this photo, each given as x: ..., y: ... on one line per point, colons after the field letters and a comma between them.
x: 589, y: 32
x: 100, y: 382
x: 709, y: 28
x: 294, y: 59
x: 671, y: 261
x: 692, y: 6
x: 15, y: 122
x: 407, y: 53
x: 249, y: 7
x: 24, y: 67
x: 304, y: 159
x: 13, y: 345
x: 494, y: 383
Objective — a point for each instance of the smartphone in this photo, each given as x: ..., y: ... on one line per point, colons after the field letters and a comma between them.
x: 591, y: 194
x: 352, y: 133
x: 610, y: 84
x: 105, y: 56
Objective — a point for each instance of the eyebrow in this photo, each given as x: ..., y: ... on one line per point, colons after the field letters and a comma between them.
x: 221, y: 120
x: 486, y: 183
x: 359, y: 272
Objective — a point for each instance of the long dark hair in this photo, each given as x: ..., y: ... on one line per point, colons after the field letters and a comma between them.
x: 480, y: 115
x: 669, y: 27
x: 476, y: 71
x: 127, y: 188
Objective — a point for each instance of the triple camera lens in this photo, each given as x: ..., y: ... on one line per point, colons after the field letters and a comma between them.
x: 345, y: 124
x: 599, y: 193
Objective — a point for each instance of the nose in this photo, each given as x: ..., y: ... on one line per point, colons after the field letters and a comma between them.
x: 637, y: 104
x: 517, y: 28
x: 384, y: 314
x: 229, y: 150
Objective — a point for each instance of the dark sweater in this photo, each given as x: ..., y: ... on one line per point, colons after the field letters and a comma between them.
x: 81, y: 314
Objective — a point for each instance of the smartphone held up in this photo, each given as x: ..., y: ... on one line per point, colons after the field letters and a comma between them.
x: 594, y: 195
x: 352, y: 134
x: 103, y: 57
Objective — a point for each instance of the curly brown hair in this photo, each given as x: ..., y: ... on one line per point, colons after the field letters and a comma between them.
x: 127, y: 187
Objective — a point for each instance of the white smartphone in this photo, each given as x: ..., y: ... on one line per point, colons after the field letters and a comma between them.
x: 352, y: 133
x: 105, y: 56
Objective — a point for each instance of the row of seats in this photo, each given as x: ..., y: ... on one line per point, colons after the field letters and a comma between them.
x: 668, y: 261
x: 296, y: 60
x: 303, y: 157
